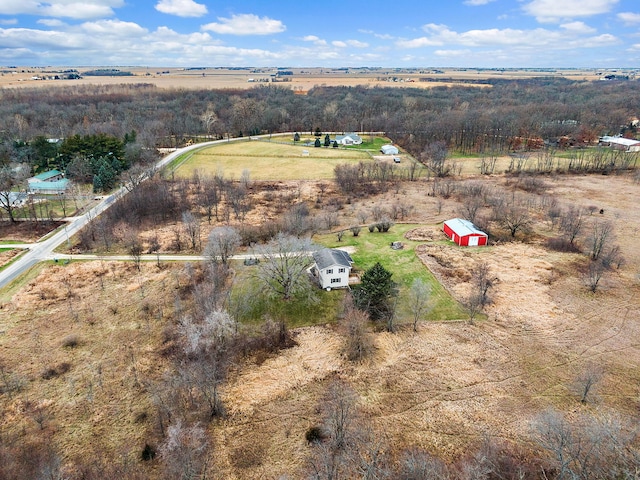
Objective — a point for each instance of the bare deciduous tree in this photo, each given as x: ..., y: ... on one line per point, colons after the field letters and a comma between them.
x: 488, y: 163
x: 206, y: 360
x: 9, y: 179
x: 586, y: 446
x: 572, y: 223
x: 599, y: 238
x: 222, y: 244
x: 154, y: 247
x: 481, y: 282
x: 470, y: 208
x: 419, y: 300
x: 362, y: 216
x: 416, y: 464
x: 184, y: 452
x: 434, y: 157
x: 211, y: 195
x: 332, y: 456
x: 513, y: 218
x: 587, y: 381
x: 596, y: 270
x: 192, y: 227
x: 355, y: 323
x: 283, y: 268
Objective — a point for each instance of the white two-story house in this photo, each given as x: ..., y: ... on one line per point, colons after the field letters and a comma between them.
x: 332, y: 268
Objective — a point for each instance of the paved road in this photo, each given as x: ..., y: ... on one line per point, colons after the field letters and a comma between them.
x: 40, y: 251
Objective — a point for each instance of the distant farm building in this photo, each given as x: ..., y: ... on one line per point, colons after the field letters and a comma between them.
x: 620, y: 143
x: 464, y: 233
x: 389, y: 149
x: 332, y: 268
x: 48, y: 183
x: 349, y: 139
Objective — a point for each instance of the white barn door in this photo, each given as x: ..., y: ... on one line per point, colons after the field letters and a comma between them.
x: 473, y: 241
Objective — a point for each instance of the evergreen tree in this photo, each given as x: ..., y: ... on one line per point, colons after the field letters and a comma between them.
x: 105, y: 176
x: 327, y: 140
x: 318, y: 143
x: 296, y: 137
x: 376, y: 293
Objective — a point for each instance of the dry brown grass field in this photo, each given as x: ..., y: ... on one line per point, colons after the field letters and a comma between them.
x: 85, y: 337
x: 302, y: 79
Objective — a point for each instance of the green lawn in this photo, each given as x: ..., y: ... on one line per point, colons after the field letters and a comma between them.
x: 403, y: 264
x: 367, y: 144
x: 267, y: 160
x: 250, y: 306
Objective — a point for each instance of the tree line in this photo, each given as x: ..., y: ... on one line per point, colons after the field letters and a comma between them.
x: 511, y: 115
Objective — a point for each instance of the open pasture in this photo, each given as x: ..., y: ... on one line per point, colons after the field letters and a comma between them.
x: 269, y: 161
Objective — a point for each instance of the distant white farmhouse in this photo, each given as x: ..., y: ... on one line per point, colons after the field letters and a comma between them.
x: 332, y: 268
x: 349, y: 139
x: 620, y: 143
x: 389, y: 149
x: 48, y: 183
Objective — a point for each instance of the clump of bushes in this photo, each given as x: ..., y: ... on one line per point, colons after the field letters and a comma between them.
x: 315, y: 434
x: 70, y: 341
x: 52, y: 372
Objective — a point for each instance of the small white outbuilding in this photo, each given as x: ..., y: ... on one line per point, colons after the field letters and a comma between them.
x: 389, y: 149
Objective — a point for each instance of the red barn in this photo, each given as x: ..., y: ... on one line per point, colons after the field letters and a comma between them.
x: 464, y: 233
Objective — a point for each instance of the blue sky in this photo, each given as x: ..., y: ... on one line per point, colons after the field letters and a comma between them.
x: 331, y: 33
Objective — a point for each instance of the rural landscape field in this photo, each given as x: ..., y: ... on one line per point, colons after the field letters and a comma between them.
x: 162, y: 340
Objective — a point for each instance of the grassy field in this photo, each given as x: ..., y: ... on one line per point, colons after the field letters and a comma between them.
x: 404, y: 264
x: 295, y: 312
x: 268, y: 161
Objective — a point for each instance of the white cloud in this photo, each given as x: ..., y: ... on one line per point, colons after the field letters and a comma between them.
x: 78, y: 9
x: 553, y: 11
x: 381, y: 36
x: 357, y: 44
x: 30, y: 38
x: 114, y: 28
x: 418, y: 43
x: 18, y: 7
x: 629, y: 18
x: 51, y: 22
x: 603, y: 40
x: 349, y: 43
x: 181, y: 8
x: 316, y: 40
x: 246, y: 24
x: 574, y: 35
x: 9, y: 21
x: 453, y: 53
x: 475, y: 3
x: 125, y: 43
x: 578, y: 27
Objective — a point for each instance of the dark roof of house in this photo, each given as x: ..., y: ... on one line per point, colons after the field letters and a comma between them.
x: 328, y: 256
